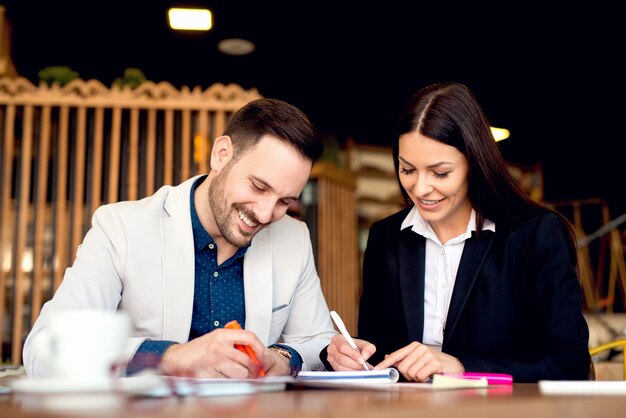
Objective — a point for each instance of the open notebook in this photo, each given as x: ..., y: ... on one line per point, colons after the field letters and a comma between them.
x: 389, y: 375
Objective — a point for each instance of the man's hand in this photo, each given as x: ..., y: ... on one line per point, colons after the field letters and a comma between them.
x: 419, y: 362
x: 275, y: 364
x: 343, y: 357
x: 214, y: 355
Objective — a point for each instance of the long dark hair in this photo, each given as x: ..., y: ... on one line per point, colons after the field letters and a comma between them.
x: 449, y: 113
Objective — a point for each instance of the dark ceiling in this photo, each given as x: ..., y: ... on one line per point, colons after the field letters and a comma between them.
x: 552, y: 75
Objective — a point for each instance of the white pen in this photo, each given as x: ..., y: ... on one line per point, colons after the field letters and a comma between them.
x: 342, y: 328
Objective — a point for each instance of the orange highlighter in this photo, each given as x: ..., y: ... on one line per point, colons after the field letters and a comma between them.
x: 246, y: 348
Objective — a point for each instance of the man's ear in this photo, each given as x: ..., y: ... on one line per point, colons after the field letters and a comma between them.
x: 221, y: 152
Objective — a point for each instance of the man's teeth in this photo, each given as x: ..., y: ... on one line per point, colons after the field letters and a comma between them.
x: 245, y: 220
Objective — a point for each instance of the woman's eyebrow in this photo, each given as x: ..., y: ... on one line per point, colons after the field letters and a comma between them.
x: 435, y: 165
x: 404, y: 161
x: 439, y: 164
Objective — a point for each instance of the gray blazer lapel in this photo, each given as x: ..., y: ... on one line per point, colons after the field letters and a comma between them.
x: 474, y: 254
x: 178, y: 264
x: 258, y: 282
x: 412, y: 250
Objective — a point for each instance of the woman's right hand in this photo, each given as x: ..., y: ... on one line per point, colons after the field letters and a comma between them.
x: 343, y: 357
x: 418, y: 362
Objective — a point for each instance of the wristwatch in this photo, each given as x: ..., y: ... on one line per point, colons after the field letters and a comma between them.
x: 282, y: 351
x: 295, y: 362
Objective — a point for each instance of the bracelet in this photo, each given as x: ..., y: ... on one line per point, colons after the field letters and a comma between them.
x: 282, y: 351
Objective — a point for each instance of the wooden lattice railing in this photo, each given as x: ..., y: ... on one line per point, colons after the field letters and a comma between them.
x: 67, y: 150
x: 335, y: 235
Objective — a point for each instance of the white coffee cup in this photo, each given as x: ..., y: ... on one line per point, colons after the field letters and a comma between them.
x: 84, y: 345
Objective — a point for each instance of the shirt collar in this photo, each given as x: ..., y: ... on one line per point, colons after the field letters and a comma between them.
x: 420, y: 226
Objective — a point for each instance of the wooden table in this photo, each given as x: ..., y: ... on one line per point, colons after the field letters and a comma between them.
x: 522, y: 400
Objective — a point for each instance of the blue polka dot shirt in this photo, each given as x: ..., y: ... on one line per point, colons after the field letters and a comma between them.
x: 218, y: 293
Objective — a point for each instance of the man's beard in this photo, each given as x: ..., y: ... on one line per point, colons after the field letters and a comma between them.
x: 221, y: 209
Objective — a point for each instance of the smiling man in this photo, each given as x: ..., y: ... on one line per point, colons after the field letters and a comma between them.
x: 218, y: 247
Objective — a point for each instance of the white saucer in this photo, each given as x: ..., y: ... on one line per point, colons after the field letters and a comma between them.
x: 56, y: 385
x: 65, y: 386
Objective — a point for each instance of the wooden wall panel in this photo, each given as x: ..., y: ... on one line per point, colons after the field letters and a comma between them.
x: 23, y: 220
x: 60, y: 203
x: 41, y: 214
x: 133, y: 156
x: 78, y: 180
x: 114, y: 156
x: 150, y: 154
x: 6, y: 209
x: 97, y: 160
x: 168, y: 153
x: 202, y: 135
x: 186, y: 144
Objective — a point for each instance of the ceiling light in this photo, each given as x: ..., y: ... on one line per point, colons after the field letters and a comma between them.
x: 190, y: 19
x: 235, y: 46
x: 499, y: 134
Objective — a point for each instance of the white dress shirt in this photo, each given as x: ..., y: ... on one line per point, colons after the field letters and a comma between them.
x: 442, y: 264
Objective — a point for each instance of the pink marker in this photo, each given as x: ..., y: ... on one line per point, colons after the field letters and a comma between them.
x: 492, y: 378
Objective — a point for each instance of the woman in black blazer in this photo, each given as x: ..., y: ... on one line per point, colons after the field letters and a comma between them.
x: 473, y: 275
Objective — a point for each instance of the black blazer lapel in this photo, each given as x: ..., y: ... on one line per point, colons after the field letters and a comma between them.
x: 411, y: 257
x: 474, y: 254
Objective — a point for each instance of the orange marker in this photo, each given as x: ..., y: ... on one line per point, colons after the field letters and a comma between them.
x: 246, y: 348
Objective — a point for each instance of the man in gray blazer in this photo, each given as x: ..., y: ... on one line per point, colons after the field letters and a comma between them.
x: 190, y: 258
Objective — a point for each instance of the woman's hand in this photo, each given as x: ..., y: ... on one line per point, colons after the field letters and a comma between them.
x: 418, y: 362
x: 343, y: 357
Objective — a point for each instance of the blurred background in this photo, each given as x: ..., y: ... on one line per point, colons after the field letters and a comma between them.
x: 550, y: 73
